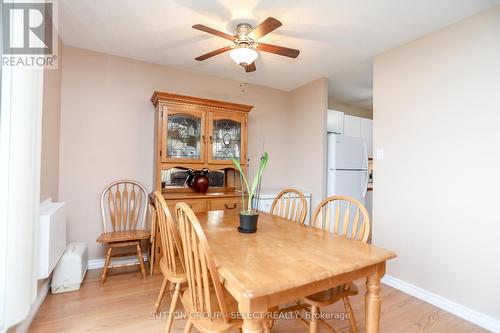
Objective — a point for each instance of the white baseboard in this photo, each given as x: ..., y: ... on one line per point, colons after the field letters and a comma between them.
x: 99, y: 263
x: 459, y: 310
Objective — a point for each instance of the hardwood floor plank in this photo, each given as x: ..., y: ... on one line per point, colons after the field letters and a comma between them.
x: 125, y: 304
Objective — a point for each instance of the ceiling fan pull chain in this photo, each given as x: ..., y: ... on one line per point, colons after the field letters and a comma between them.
x: 243, y: 83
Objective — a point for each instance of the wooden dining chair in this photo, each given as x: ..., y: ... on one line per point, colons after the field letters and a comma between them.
x: 208, y: 306
x: 171, y: 264
x: 126, y: 204
x: 346, y: 217
x: 290, y: 204
x: 152, y: 239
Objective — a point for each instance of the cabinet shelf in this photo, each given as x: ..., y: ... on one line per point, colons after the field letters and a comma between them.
x: 234, y: 138
x: 185, y: 137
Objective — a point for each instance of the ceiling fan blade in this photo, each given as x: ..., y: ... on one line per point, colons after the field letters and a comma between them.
x: 250, y: 68
x: 211, y: 31
x: 213, y: 53
x: 284, y: 51
x: 266, y: 27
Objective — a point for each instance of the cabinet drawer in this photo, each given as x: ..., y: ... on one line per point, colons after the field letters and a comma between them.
x: 226, y: 204
x: 196, y: 205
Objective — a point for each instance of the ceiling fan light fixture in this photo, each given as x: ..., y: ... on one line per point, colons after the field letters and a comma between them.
x: 243, y: 55
x: 245, y: 43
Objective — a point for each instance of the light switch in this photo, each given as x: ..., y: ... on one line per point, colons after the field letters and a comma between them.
x: 379, y: 154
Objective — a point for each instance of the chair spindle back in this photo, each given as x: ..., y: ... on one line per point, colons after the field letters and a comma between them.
x: 290, y: 204
x: 344, y: 216
x: 169, y: 235
x: 126, y: 203
x: 200, y: 266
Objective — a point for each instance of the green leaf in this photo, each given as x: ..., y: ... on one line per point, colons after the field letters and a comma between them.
x: 251, y: 191
x: 258, y: 176
x: 260, y: 171
x: 238, y: 166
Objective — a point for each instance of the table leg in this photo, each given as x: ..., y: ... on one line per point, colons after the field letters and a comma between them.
x: 372, y: 300
x: 253, y: 325
x: 254, y: 316
x: 314, y: 322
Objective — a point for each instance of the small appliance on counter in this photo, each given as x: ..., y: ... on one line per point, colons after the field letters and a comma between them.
x: 370, y: 170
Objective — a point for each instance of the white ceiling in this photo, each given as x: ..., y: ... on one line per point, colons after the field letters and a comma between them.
x: 337, y: 38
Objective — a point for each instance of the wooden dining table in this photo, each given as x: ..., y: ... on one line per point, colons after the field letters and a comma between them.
x: 284, y: 261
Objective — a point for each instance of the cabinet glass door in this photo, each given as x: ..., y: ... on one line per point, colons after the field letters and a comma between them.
x: 183, y: 136
x: 227, y: 133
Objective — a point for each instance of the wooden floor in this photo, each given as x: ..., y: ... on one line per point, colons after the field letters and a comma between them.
x: 125, y: 303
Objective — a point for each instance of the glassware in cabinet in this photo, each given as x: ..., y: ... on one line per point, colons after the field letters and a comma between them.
x: 183, y: 138
x: 227, y: 133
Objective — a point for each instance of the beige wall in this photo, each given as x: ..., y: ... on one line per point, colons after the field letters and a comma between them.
x: 437, y: 117
x: 51, y: 117
x: 350, y: 109
x: 107, y: 128
x: 307, y: 135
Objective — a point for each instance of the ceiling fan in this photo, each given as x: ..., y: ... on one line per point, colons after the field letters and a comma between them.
x: 244, y: 48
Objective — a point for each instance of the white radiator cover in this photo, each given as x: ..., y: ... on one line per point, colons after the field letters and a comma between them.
x: 266, y: 198
x: 51, y: 236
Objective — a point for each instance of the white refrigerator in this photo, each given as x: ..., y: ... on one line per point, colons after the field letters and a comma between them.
x: 347, y: 167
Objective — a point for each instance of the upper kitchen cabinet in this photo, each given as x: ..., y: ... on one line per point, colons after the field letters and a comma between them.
x: 360, y: 128
x: 367, y: 134
x: 352, y: 126
x: 335, y: 122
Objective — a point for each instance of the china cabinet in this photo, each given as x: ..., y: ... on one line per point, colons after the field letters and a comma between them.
x: 197, y: 133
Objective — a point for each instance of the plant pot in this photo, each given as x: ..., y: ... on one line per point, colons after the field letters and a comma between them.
x: 248, y: 222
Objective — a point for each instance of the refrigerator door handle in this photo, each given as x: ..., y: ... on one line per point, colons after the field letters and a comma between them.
x: 365, y: 191
x: 366, y: 155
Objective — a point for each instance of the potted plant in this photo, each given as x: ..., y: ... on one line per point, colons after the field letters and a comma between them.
x: 248, y: 214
